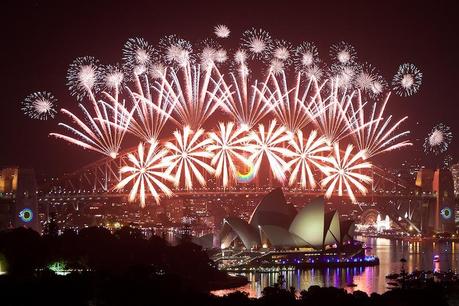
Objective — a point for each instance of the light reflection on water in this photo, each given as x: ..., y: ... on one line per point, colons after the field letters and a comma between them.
x: 419, y: 255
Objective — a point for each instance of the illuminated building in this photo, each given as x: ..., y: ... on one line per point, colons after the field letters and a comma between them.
x: 18, y: 199
x: 455, y: 173
x: 276, y: 224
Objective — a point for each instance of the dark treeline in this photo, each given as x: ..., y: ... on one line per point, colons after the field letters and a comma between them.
x: 123, y: 268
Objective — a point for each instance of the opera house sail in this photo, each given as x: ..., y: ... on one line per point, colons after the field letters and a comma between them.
x: 278, y: 234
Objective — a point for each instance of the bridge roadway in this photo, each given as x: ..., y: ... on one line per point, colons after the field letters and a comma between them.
x: 195, y: 194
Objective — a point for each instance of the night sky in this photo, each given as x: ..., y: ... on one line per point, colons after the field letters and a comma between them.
x: 41, y: 38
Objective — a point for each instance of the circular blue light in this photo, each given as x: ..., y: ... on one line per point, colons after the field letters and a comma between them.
x: 26, y: 215
x: 446, y: 213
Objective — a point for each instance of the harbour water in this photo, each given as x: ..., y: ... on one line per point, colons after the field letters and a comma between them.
x: 418, y: 255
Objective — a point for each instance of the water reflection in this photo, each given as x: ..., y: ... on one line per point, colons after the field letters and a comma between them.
x: 419, y: 256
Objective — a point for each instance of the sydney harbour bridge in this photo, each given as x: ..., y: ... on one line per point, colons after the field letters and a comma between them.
x: 413, y: 208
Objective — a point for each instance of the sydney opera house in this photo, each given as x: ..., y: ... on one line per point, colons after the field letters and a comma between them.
x: 278, y: 234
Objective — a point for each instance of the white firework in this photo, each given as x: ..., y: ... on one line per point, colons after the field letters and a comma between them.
x: 211, y: 54
x: 258, y: 42
x: 157, y: 71
x: 83, y: 77
x: 176, y: 51
x: 113, y: 79
x: 151, y: 110
x: 240, y: 57
x: 40, y: 105
x: 305, y: 56
x: 138, y: 54
x: 374, y: 133
x: 365, y: 79
x: 269, y: 143
x: 222, y: 31
x: 228, y: 147
x: 147, y: 174
x: 344, y: 172
x: 187, y: 156
x: 243, y: 100
x: 438, y: 140
x: 193, y: 94
x: 343, y: 53
x: 282, y: 51
x: 290, y: 102
x: 314, y: 73
x: 306, y: 157
x: 344, y: 75
x: 276, y: 66
x: 330, y: 107
x: 407, y: 80
x: 378, y: 87
x: 101, y: 133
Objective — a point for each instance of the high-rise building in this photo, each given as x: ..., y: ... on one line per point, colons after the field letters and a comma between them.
x: 455, y: 173
x: 445, y: 206
x: 18, y: 199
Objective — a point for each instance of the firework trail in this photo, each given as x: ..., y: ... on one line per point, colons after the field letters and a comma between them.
x: 344, y: 172
x: 374, y: 133
x: 147, y: 173
x: 306, y: 155
x: 39, y: 105
x: 186, y: 156
x: 242, y: 101
x: 407, y: 80
x: 291, y: 106
x: 194, y: 95
x: 228, y: 147
x: 268, y: 143
x: 331, y: 117
x: 438, y: 140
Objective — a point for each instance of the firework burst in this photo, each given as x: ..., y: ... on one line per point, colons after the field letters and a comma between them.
x: 268, y: 143
x: 344, y: 75
x: 83, y: 77
x: 343, y: 53
x: 258, y: 42
x: 306, y: 155
x: 40, y: 105
x: 344, y: 172
x: 407, y: 80
x: 228, y: 148
x: 147, y: 173
x: 305, y: 56
x: 113, y: 79
x: 186, y: 157
x: 138, y: 55
x: 176, y: 51
x: 222, y: 31
x: 438, y: 140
